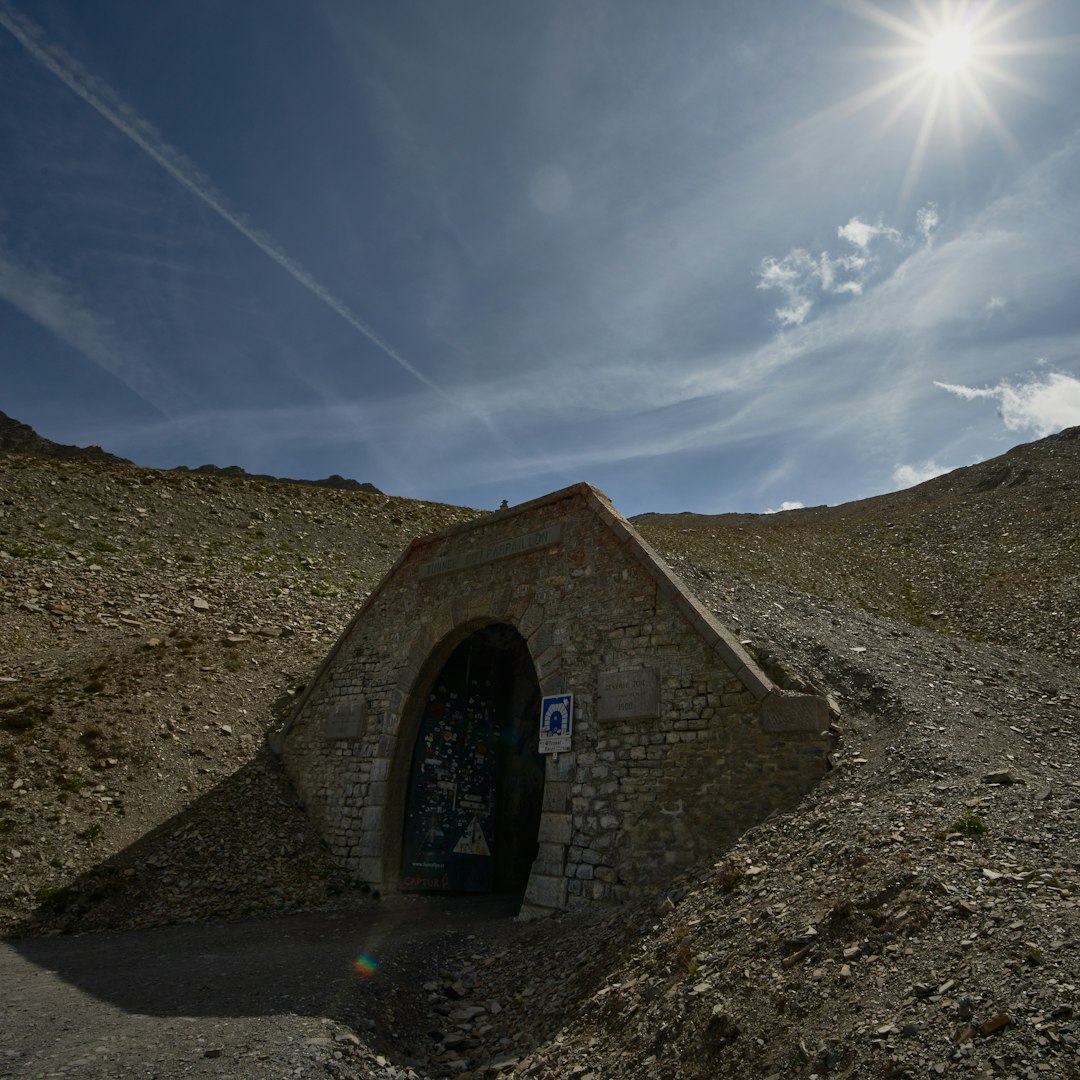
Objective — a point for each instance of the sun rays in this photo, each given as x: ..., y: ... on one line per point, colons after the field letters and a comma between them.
x: 942, y: 64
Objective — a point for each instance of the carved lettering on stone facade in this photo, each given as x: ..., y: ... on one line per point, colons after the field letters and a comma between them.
x: 798, y: 712
x: 518, y: 545
x: 628, y: 695
x: 345, y: 721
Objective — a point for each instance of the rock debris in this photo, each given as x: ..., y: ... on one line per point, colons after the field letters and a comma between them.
x: 918, y: 914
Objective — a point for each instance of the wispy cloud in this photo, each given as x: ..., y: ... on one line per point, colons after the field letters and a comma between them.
x: 927, y: 221
x: 804, y: 279
x: 793, y: 275
x: 905, y: 476
x: 49, y: 301
x: 876, y: 352
x: 879, y: 352
x: 1041, y: 405
x: 861, y: 233
x: 785, y: 506
x: 104, y: 100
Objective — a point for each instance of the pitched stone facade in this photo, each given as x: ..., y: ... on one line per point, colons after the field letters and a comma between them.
x: 679, y: 741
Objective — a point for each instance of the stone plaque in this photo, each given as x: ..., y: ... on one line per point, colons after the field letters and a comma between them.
x: 795, y: 712
x: 504, y: 549
x: 345, y: 721
x: 628, y: 695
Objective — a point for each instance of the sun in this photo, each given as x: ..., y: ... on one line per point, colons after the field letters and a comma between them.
x: 942, y: 63
x: 949, y: 52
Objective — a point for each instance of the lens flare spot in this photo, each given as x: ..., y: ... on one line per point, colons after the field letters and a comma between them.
x: 364, y: 965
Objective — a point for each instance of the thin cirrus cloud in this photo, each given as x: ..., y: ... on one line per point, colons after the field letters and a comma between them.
x: 926, y: 290
x: 1039, y: 406
x: 1015, y: 255
x: 50, y: 302
x: 104, y: 100
x: 929, y: 291
x: 881, y: 350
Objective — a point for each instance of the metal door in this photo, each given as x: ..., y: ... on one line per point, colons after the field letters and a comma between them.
x: 450, y: 814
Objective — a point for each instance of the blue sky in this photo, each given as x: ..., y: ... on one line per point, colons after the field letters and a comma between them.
x: 707, y: 256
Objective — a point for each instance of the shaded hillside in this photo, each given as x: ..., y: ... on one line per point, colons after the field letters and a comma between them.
x: 236, y: 472
x: 150, y: 621
x: 990, y: 552
x: 918, y: 914
x: 19, y: 438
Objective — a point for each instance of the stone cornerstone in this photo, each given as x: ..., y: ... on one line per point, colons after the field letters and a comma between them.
x: 678, y: 741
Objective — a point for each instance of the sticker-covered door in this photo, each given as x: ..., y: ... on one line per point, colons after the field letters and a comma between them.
x: 450, y: 815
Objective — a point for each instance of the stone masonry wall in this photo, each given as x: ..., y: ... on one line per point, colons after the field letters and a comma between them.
x: 638, y: 797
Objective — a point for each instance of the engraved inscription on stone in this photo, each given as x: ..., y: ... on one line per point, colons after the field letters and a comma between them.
x: 628, y: 695
x: 345, y: 721
x: 503, y: 549
x: 799, y: 712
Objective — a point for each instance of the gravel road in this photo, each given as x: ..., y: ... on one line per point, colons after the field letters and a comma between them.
x: 231, y: 999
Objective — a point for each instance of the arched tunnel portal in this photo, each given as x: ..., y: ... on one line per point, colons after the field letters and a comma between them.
x: 475, y: 781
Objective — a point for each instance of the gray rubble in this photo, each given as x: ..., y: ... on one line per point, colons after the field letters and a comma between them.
x: 916, y: 915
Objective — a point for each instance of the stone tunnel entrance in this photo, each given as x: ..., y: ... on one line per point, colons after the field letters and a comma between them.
x: 414, y: 748
x: 476, y: 784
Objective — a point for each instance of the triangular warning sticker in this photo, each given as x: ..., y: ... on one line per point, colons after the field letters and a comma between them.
x: 473, y: 841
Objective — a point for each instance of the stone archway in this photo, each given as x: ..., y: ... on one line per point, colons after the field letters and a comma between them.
x: 472, y: 802
x: 671, y: 715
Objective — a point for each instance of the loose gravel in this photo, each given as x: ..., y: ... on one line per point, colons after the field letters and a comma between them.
x: 917, y: 915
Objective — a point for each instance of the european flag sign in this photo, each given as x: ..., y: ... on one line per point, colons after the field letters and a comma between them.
x: 556, y: 723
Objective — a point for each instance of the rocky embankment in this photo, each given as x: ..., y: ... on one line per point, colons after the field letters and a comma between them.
x: 917, y: 915
x: 152, y: 622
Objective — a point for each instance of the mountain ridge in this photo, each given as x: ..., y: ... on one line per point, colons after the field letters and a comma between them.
x: 19, y: 438
x: 989, y: 551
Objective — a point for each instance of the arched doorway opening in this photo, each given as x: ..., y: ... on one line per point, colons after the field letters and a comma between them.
x: 475, y: 792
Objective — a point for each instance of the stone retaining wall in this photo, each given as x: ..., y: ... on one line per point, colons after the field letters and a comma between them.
x: 679, y: 741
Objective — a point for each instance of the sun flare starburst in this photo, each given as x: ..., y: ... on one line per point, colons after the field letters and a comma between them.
x: 940, y: 65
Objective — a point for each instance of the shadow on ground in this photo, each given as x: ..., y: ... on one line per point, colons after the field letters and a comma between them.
x: 233, y: 907
x: 245, y: 847
x: 304, y: 963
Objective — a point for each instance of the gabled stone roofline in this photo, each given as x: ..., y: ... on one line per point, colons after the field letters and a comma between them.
x: 276, y: 738
x: 722, y: 641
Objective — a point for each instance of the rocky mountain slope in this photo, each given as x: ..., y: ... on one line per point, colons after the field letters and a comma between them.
x: 918, y: 914
x: 150, y: 621
x: 990, y: 552
x: 236, y: 472
x: 19, y: 438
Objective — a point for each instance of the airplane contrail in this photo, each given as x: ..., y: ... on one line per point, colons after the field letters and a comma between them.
x: 103, y: 100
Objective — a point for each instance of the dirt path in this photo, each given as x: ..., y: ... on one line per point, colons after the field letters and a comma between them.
x: 237, y: 999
